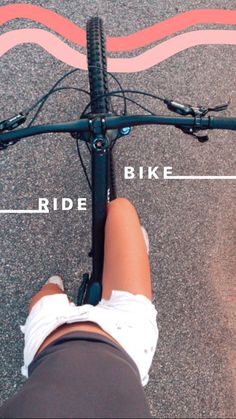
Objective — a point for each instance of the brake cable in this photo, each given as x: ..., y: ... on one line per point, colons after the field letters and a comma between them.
x: 182, y: 109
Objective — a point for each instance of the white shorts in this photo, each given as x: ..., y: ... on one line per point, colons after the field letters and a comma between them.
x: 130, y: 319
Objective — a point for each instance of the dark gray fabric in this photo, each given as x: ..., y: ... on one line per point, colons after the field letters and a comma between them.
x: 80, y: 375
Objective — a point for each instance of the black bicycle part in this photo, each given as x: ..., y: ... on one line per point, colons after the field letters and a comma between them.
x: 117, y: 122
x: 96, y: 57
x: 12, y: 123
x: 97, y: 66
x: 82, y: 289
x: 186, y: 109
x: 98, y: 80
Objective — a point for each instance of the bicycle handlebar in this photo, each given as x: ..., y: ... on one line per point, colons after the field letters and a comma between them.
x: 222, y: 123
x: 111, y: 122
x: 204, y: 123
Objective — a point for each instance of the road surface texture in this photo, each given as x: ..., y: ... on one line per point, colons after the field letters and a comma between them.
x: 191, y: 223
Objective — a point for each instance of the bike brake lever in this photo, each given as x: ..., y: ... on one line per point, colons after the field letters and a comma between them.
x: 190, y: 131
x: 4, y: 146
x: 12, y: 123
x: 186, y: 109
x: 8, y: 125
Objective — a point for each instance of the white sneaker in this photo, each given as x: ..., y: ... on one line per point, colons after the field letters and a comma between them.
x: 146, y: 239
x: 56, y: 279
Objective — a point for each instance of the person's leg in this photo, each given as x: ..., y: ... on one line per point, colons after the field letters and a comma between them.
x: 126, y: 263
x: 47, y: 289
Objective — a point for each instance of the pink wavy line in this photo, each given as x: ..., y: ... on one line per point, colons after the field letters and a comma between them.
x: 46, y: 40
x: 141, y: 62
x: 74, y: 33
x: 171, y: 47
x: 170, y: 27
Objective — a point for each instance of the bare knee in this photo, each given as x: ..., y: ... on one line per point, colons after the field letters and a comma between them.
x: 47, y: 289
x: 121, y: 204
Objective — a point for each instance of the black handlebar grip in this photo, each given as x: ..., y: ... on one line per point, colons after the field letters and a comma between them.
x: 222, y: 123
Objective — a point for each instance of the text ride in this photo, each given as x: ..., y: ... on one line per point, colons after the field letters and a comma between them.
x: 64, y: 204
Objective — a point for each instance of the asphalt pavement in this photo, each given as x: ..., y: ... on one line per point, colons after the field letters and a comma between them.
x: 191, y: 223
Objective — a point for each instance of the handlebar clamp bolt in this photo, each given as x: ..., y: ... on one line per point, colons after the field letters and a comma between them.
x: 100, y: 143
x: 125, y: 131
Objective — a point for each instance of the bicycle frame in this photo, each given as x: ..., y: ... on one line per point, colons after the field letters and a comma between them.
x: 100, y: 158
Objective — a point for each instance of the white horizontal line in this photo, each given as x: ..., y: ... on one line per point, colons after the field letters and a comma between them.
x: 200, y: 177
x: 24, y: 211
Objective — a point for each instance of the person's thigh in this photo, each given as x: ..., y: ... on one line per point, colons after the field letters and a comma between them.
x: 126, y: 262
x: 126, y: 265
